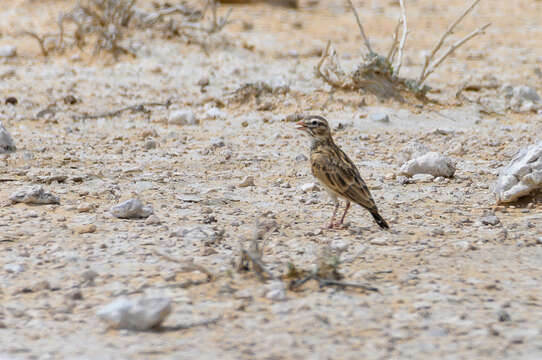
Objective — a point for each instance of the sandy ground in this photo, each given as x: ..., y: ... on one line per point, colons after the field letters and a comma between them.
x: 450, y: 286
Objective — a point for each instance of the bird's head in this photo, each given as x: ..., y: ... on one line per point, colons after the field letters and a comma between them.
x: 316, y: 126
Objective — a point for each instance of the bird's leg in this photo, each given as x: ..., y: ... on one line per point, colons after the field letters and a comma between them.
x: 345, y: 211
x: 332, y: 223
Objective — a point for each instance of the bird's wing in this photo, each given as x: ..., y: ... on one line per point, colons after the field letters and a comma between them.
x: 336, y: 171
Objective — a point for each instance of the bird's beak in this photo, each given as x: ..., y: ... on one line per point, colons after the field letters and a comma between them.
x: 300, y: 125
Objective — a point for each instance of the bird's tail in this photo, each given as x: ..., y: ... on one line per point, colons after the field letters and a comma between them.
x: 379, y: 220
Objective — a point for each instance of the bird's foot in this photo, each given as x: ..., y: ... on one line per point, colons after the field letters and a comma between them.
x: 337, y: 226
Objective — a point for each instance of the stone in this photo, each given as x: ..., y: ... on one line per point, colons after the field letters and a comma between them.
x: 490, y: 219
x: 215, y: 113
x: 422, y: 178
x: 431, y: 163
x: 276, y: 291
x: 153, y: 220
x: 150, y: 144
x: 131, y: 209
x: 86, y: 229
x: 84, y: 207
x: 308, y: 187
x: 522, y: 176
x: 88, y: 277
x: 379, y: 241
x: 6, y: 141
x: 14, y: 268
x: 522, y: 98
x: 136, y: 314
x: 301, y: 157
x: 247, y: 181
x: 8, y: 51
x: 182, y: 117
x: 34, y: 195
x: 379, y: 117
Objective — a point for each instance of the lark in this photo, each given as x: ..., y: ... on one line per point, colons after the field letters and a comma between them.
x: 336, y: 172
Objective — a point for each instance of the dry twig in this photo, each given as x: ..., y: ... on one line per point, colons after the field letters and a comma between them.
x: 322, y: 282
x: 424, y: 74
x: 134, y: 108
x: 450, y: 50
x: 106, y: 22
x: 40, y: 41
x: 397, y: 67
x: 187, y: 266
x: 395, y: 43
x: 254, y: 255
x: 360, y: 25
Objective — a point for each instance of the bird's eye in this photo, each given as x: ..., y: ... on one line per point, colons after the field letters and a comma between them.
x: 314, y: 122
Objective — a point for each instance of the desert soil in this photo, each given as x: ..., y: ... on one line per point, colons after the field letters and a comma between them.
x: 450, y: 286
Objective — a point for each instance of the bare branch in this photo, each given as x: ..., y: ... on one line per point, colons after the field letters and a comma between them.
x: 337, y: 83
x: 448, y: 32
x: 452, y: 48
x: 395, y: 44
x: 397, y: 67
x: 261, y: 233
x: 187, y: 266
x: 40, y: 41
x: 365, y: 39
x: 153, y: 18
x: 331, y: 282
x: 136, y: 107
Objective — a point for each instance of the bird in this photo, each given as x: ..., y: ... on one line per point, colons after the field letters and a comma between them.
x: 335, y: 171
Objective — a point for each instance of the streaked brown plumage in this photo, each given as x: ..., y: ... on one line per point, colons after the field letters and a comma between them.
x: 334, y: 169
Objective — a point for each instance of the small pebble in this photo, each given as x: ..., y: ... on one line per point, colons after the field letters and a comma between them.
x: 8, y: 51
x: 379, y: 117
x: 86, y: 229
x: 247, y: 181
x: 153, y: 220
x: 14, y: 268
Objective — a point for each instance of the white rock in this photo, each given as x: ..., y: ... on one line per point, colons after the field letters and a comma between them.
x: 6, y: 141
x: 278, y: 84
x: 456, y: 148
x: 8, y: 51
x: 412, y: 150
x: 34, y: 195
x: 340, y: 245
x: 431, y: 163
x: 153, y: 220
x: 526, y: 93
x: 379, y: 117
x: 276, y: 291
x: 521, y: 176
x: 131, y: 209
x: 522, y: 98
x: 379, y: 241
x: 309, y: 187
x: 422, y: 178
x: 215, y: 113
x: 138, y: 314
x: 182, y: 117
x: 490, y: 219
x: 14, y: 268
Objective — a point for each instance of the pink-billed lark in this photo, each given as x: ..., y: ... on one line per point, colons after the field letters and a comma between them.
x: 335, y: 171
